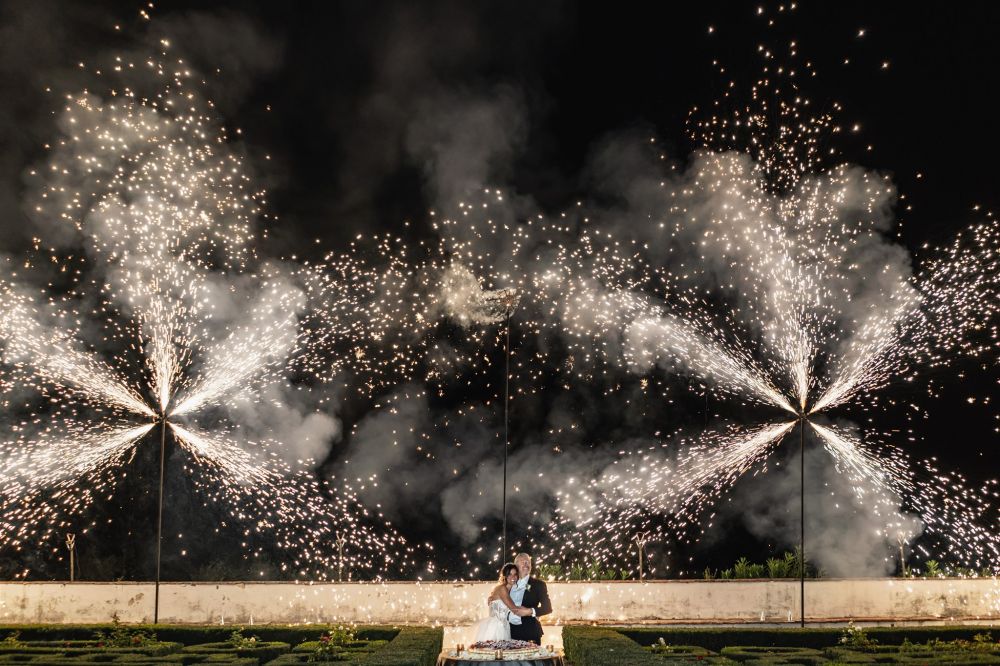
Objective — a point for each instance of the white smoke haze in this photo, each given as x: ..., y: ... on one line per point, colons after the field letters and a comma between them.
x: 467, y: 302
x: 293, y: 416
x: 466, y: 140
x: 539, y: 480
x: 844, y: 537
x: 751, y: 247
x: 383, y: 461
x: 774, y: 271
x: 167, y: 219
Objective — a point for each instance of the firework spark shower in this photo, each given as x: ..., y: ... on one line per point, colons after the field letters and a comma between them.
x: 685, y: 288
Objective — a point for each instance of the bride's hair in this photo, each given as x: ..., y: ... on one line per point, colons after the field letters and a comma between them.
x: 505, y: 571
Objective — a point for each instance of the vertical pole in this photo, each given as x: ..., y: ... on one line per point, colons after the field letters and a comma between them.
x: 159, y: 518
x: 71, y: 545
x: 802, y: 519
x: 341, y: 542
x: 640, y: 541
x: 506, y: 428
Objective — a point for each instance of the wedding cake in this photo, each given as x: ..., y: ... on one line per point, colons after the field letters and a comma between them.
x: 510, y: 649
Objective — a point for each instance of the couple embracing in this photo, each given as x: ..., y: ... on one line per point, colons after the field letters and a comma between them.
x: 515, y: 605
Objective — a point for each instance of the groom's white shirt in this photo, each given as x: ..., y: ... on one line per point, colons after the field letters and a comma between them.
x: 517, y: 596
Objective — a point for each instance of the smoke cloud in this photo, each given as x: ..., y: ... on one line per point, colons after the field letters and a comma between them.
x: 845, y: 538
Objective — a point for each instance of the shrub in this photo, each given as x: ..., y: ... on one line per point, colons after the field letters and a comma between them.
x: 330, y: 646
x: 782, y: 567
x: 412, y: 646
x: 592, y: 646
x: 81, y: 649
x: 856, y: 637
x: 263, y: 651
x: 549, y: 571
x: 773, y: 654
x: 192, y: 634
x: 120, y: 635
x: 663, y: 648
x: 359, y: 646
x: 241, y: 642
x: 593, y: 571
x: 717, y: 638
x: 685, y: 654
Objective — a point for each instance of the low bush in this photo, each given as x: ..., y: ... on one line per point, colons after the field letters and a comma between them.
x: 132, y: 660
x: 595, y: 646
x: 818, y: 638
x: 193, y: 634
x: 666, y: 650
x: 412, y: 646
x: 79, y: 648
x: 354, y: 646
x: 604, y: 646
x: 262, y: 651
x: 686, y: 654
x: 773, y: 654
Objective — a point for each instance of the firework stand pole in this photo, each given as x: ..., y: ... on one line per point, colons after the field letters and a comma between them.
x: 159, y: 519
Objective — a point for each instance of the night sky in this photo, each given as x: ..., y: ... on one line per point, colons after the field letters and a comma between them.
x: 334, y: 101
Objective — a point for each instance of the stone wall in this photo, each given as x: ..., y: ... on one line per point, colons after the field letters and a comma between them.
x: 457, y: 604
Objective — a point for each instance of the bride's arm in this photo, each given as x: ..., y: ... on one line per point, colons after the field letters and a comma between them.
x: 503, y: 595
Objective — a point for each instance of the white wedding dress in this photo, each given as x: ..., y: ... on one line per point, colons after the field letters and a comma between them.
x: 495, y: 627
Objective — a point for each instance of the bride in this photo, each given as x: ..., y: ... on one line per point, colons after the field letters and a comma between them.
x: 496, y: 627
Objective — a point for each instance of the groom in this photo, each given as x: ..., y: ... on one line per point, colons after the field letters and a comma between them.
x: 530, y: 593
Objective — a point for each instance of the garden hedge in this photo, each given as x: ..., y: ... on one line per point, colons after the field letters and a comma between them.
x: 597, y: 646
x: 191, y: 634
x: 817, y: 638
x: 374, y: 646
x: 606, y: 646
x: 263, y: 651
x: 774, y: 654
x: 412, y: 646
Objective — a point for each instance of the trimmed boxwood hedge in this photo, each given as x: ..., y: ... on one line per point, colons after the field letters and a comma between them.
x: 892, y: 654
x: 191, y: 634
x: 123, y: 658
x: 681, y: 650
x: 74, y: 644
x: 818, y: 638
x: 597, y: 646
x: 353, y: 646
x: 605, y: 646
x: 75, y: 648
x: 412, y: 646
x: 774, y: 654
x: 263, y: 651
x: 80, y: 649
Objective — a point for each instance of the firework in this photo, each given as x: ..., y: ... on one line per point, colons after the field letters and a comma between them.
x: 171, y: 319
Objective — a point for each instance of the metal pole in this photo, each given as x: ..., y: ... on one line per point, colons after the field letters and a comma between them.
x: 506, y: 428
x: 71, y: 545
x: 341, y: 541
x: 159, y: 518
x: 802, y: 518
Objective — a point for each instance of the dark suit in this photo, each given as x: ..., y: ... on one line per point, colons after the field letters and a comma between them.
x: 535, y: 596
